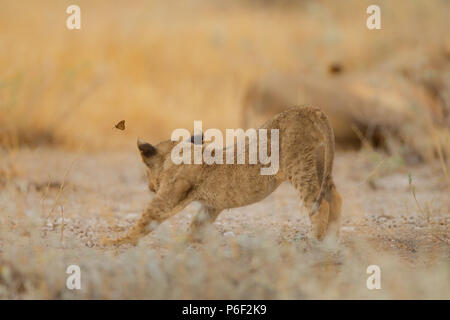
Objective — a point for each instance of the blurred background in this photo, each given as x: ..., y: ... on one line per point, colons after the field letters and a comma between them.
x: 159, y: 65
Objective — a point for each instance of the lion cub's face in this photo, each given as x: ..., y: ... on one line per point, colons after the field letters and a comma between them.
x: 153, y: 158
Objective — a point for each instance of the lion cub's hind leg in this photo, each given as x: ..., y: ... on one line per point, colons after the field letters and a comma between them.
x: 332, y: 198
x: 320, y: 220
x: 304, y: 176
x: 204, y: 218
x: 334, y: 220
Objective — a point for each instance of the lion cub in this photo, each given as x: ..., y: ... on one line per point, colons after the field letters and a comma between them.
x: 306, y: 151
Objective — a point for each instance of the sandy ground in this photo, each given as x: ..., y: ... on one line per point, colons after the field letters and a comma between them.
x: 105, y: 193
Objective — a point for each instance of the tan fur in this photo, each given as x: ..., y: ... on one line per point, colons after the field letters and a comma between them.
x: 306, y: 154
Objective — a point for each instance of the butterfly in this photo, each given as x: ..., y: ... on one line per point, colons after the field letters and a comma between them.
x: 120, y: 125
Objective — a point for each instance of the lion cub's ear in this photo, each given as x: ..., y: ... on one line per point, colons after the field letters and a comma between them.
x: 197, y: 139
x: 146, y: 149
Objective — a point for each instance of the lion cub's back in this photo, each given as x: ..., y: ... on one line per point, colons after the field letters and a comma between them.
x: 297, y: 125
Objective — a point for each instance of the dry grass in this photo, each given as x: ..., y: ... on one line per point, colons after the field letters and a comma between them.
x: 160, y: 65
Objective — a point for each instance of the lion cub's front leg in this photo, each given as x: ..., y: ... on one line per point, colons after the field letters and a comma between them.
x: 171, y: 198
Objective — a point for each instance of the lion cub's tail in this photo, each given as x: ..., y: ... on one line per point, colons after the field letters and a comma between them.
x: 324, y: 126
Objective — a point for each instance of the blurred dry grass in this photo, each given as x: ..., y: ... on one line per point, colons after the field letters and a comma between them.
x: 238, y: 268
x: 162, y: 64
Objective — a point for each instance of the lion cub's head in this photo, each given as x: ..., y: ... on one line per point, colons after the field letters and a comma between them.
x: 154, y: 158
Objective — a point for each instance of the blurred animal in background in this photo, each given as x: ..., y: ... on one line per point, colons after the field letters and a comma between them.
x: 393, y: 106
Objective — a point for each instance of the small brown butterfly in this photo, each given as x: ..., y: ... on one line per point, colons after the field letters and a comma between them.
x: 120, y: 125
